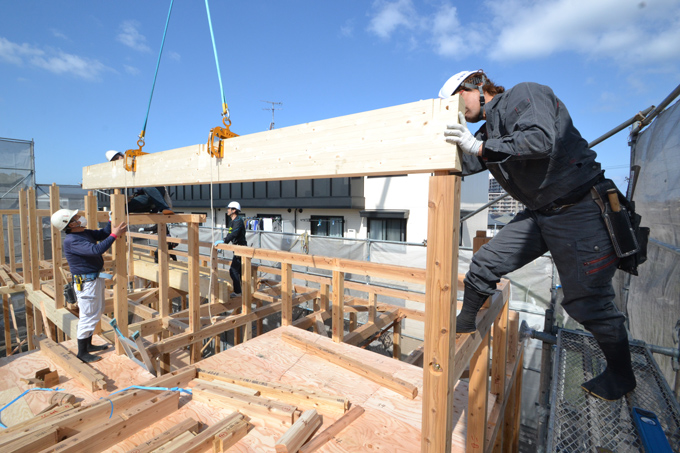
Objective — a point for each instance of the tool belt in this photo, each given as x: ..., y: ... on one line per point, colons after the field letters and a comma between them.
x: 623, y: 224
x: 78, y: 280
x: 70, y: 294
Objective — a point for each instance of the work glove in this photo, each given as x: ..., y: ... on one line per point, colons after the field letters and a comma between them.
x: 461, y: 136
x: 219, y: 242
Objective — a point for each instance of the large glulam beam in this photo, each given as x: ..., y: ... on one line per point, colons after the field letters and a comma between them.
x: 404, y: 139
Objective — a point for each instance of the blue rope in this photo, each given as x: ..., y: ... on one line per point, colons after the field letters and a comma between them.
x: 163, y: 389
x: 157, y: 65
x: 56, y: 389
x: 217, y: 63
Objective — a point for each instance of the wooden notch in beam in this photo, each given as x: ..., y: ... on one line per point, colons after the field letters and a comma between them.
x: 92, y: 379
x: 333, y: 430
x: 303, y: 429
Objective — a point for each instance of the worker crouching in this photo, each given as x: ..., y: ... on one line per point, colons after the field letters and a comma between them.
x: 83, y: 249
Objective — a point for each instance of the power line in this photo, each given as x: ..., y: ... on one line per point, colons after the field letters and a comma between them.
x: 272, y: 108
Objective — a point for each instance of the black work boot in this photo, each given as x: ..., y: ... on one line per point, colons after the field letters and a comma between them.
x: 472, y: 302
x: 618, y: 378
x: 94, y: 348
x: 83, y: 354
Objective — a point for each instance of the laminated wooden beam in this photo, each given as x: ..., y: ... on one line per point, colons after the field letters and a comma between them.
x: 333, y: 430
x: 376, y: 375
x: 92, y: 379
x: 378, y: 142
x: 237, y: 424
x: 298, y: 396
x: 303, y: 428
x: 182, y: 427
x: 121, y: 426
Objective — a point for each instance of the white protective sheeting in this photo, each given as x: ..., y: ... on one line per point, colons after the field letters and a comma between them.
x: 652, y: 303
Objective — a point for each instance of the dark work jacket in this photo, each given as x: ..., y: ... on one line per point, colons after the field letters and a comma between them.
x: 84, y: 250
x: 236, y: 234
x: 532, y: 148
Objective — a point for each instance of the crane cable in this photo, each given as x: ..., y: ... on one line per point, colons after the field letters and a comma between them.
x: 133, y: 153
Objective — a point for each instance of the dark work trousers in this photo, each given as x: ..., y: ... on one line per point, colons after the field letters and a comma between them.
x: 235, y: 273
x: 581, y: 248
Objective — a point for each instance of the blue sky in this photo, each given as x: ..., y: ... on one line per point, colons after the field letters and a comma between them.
x: 76, y: 76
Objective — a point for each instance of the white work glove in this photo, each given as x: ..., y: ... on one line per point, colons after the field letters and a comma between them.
x: 461, y: 136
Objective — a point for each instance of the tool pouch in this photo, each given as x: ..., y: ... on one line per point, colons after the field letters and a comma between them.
x: 628, y: 238
x: 70, y: 294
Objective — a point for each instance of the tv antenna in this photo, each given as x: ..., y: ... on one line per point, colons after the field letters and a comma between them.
x: 272, y: 108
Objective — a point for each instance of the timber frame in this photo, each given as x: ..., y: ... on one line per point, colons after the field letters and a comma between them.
x: 328, y: 148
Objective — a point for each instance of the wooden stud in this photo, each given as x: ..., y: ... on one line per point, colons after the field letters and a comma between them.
x: 333, y: 430
x: 25, y: 264
x: 6, y: 321
x: 10, y: 243
x: 478, y: 395
x: 57, y: 263
x: 194, y: 289
x: 324, y: 297
x: 338, y: 313
x: 164, y: 302
x: 440, y: 320
x: 352, y: 321
x: 286, y: 294
x: 2, y: 239
x: 299, y: 433
x: 35, y: 237
x: 120, y: 305
x: 236, y: 423
x: 247, y: 294
x: 499, y: 353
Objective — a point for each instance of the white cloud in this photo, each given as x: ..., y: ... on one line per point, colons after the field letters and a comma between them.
x: 53, y: 60
x: 174, y: 55
x: 130, y: 36
x: 58, y: 34
x: 628, y: 32
x: 347, y: 30
x: 392, y: 15
x: 131, y: 69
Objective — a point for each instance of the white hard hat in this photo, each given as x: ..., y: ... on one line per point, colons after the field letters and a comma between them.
x: 234, y: 204
x: 454, y: 82
x: 62, y: 217
x: 110, y: 154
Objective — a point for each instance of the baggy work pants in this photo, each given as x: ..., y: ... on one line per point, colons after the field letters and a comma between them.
x: 90, y: 306
x: 235, y: 273
x: 581, y: 248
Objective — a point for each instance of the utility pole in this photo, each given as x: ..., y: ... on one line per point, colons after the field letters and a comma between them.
x: 272, y: 108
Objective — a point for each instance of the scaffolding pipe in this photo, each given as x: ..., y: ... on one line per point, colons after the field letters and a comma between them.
x: 670, y: 98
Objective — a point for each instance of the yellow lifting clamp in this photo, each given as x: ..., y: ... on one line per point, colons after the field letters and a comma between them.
x: 130, y: 162
x: 216, y: 149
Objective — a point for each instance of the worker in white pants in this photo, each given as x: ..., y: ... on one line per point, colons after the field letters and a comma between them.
x: 90, y: 306
x: 83, y: 250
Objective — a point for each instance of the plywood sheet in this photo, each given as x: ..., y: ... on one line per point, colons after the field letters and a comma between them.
x: 18, y: 411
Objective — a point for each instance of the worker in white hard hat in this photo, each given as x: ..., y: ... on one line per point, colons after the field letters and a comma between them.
x: 236, y: 234
x: 530, y: 145
x: 83, y: 249
x: 146, y: 199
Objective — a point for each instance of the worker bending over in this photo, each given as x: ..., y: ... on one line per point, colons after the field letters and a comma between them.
x: 236, y: 234
x: 83, y: 249
x: 146, y: 199
x: 531, y: 147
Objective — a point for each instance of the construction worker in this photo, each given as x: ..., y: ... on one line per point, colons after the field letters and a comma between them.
x: 531, y: 147
x: 146, y: 199
x: 83, y: 249
x: 236, y: 234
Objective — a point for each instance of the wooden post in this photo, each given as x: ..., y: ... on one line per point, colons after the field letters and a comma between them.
x: 247, y: 294
x: 56, y: 251
x: 120, y: 304
x: 499, y: 355
x: 324, y: 298
x: 25, y: 264
x: 164, y: 303
x: 10, y: 243
x: 5, y: 297
x: 338, y: 314
x: 440, y: 316
x: 372, y: 302
x: 396, y: 340
x: 477, y: 398
x: 286, y: 294
x: 35, y: 238
x: 352, y: 321
x: 194, y: 289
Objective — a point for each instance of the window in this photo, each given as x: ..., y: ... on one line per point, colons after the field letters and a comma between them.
x: 327, y: 226
x: 387, y: 229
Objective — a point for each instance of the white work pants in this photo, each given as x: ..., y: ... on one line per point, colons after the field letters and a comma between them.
x: 90, y: 306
